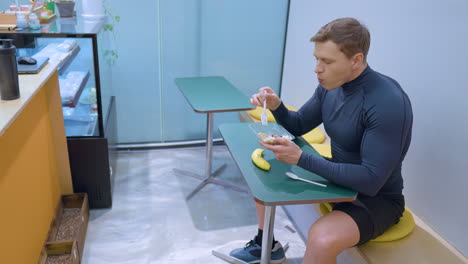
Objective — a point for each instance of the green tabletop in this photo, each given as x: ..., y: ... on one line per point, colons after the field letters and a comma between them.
x: 273, y: 187
x: 213, y: 94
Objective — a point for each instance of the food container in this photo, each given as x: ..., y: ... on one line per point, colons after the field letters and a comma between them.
x: 271, y: 132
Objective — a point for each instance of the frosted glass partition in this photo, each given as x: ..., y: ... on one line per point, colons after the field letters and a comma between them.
x: 136, y: 73
x: 159, y: 41
x: 241, y: 40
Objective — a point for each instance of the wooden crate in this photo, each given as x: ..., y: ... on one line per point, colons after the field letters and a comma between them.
x: 79, y: 201
x: 64, y: 249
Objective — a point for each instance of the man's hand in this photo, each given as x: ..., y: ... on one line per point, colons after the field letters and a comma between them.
x: 273, y: 101
x: 286, y: 151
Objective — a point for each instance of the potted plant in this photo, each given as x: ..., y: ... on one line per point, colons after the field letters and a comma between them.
x: 66, y: 8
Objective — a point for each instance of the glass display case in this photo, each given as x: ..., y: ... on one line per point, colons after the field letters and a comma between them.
x: 88, y: 106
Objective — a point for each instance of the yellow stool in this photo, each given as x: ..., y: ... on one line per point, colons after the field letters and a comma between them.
x: 398, y: 231
x: 315, y: 136
x: 322, y: 149
x: 257, y: 112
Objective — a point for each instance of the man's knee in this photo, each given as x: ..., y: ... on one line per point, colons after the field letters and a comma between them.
x: 320, y: 239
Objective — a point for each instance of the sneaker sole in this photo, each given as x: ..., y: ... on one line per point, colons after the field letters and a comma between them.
x: 276, y: 261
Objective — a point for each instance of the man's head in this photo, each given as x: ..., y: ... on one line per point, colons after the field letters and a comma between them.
x: 341, y: 48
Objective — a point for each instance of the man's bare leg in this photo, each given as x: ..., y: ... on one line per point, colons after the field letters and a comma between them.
x: 329, y: 236
x: 260, y: 214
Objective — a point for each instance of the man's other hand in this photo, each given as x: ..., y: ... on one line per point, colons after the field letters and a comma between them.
x: 285, y: 151
x: 273, y: 101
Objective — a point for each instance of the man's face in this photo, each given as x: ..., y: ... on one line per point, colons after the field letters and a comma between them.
x: 333, y: 68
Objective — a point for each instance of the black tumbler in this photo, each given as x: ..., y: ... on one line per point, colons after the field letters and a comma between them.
x: 9, y: 86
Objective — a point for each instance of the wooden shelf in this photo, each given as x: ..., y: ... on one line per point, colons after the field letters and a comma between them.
x: 67, y: 249
x: 75, y: 245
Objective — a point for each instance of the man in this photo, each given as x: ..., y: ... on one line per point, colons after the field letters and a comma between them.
x: 368, y: 118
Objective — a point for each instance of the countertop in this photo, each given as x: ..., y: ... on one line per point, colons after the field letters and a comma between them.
x: 29, y: 85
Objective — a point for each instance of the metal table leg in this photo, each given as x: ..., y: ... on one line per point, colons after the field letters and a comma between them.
x: 209, y: 177
x: 268, y: 225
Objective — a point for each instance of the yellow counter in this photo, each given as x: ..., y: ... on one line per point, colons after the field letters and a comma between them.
x: 34, y: 165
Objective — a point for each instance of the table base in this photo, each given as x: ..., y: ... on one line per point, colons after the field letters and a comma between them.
x: 210, y: 179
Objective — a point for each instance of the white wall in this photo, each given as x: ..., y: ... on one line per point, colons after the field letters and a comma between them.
x: 424, y: 46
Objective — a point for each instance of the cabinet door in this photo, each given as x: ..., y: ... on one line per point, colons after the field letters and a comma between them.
x: 89, y: 162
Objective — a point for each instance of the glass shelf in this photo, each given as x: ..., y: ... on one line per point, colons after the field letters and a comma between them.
x: 72, y: 87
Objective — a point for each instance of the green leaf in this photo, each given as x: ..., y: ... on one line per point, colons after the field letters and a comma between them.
x: 108, y: 27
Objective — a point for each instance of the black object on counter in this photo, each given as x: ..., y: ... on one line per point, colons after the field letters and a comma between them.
x: 9, y: 86
x: 27, y: 60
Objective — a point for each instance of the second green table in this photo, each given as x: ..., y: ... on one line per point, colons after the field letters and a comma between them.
x: 210, y: 95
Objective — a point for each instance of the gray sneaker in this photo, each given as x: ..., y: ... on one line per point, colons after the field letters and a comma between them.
x: 252, y: 251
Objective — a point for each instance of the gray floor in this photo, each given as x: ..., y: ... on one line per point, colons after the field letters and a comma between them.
x: 152, y: 222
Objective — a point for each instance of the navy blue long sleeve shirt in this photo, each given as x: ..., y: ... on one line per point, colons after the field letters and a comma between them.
x: 369, y: 121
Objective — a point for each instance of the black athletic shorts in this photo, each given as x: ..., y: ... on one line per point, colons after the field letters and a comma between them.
x: 373, y: 215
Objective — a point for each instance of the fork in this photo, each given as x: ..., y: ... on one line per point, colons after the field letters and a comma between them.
x: 264, y: 117
x: 295, y: 177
